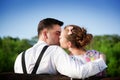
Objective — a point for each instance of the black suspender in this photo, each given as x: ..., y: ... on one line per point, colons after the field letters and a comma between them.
x: 23, y: 63
x: 37, y: 62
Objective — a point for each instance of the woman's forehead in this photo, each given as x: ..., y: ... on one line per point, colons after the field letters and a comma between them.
x: 63, y: 32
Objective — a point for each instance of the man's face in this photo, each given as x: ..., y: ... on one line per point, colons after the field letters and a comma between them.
x: 53, y: 35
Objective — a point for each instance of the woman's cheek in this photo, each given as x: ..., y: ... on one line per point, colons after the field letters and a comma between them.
x: 62, y: 43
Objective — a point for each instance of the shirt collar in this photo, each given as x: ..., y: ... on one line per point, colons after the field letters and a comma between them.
x: 41, y: 42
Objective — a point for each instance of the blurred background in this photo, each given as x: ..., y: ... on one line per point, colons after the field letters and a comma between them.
x: 19, y: 20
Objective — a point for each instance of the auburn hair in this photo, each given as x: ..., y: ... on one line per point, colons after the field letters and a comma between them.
x: 78, y: 37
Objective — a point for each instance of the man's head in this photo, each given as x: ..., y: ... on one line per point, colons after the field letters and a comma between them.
x: 49, y: 30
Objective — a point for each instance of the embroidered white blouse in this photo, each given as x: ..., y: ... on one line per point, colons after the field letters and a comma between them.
x: 56, y: 60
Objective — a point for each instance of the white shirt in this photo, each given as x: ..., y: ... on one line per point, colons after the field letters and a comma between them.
x: 55, y: 60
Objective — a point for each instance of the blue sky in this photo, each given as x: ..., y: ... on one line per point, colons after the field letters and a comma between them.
x: 19, y: 18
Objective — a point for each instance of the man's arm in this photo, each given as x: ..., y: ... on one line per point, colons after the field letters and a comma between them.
x: 17, y: 64
x: 69, y: 67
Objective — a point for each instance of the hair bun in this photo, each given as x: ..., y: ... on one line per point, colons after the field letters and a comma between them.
x: 86, y: 40
x: 79, y: 36
x: 84, y: 31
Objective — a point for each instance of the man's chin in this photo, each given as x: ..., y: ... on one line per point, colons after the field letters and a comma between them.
x: 58, y: 44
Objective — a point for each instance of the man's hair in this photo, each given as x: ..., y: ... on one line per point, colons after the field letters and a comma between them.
x: 48, y: 23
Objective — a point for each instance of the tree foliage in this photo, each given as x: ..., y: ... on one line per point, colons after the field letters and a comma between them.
x: 9, y: 49
x: 110, y: 46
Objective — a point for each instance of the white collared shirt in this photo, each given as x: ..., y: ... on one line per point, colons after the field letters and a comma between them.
x: 55, y: 60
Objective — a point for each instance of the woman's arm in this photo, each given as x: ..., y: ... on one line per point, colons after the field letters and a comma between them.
x: 69, y: 67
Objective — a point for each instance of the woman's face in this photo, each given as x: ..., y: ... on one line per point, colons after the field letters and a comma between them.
x: 63, y: 40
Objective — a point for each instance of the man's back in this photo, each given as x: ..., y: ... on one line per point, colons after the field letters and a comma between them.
x: 46, y: 65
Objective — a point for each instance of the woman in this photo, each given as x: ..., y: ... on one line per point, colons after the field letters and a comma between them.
x: 75, y: 39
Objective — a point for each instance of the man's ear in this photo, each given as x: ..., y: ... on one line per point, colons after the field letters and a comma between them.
x: 45, y: 33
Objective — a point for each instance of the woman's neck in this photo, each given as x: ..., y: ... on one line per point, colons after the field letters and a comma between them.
x: 77, y: 51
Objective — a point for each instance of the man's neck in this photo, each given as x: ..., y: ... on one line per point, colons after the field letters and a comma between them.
x: 42, y: 39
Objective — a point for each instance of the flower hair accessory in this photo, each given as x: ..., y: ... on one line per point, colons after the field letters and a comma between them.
x: 70, y: 30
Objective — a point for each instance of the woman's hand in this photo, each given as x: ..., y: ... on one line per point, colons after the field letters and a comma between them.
x: 103, y: 57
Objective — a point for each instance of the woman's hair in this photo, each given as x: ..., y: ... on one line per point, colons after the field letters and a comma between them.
x: 77, y: 36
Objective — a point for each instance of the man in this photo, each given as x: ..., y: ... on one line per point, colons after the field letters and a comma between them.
x: 54, y: 60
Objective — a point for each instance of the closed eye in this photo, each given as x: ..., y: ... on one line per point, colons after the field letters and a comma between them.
x: 58, y: 33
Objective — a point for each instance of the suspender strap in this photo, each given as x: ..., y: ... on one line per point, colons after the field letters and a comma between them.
x: 38, y: 60
x: 23, y: 63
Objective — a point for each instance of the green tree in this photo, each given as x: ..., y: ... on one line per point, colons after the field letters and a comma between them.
x: 110, y: 46
x: 9, y: 47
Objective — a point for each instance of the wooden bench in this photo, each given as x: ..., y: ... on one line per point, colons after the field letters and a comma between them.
x: 14, y: 76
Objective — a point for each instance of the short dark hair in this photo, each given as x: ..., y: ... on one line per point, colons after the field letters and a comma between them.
x: 48, y: 23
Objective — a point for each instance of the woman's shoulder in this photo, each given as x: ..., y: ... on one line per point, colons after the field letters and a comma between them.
x: 92, y: 52
x: 92, y: 55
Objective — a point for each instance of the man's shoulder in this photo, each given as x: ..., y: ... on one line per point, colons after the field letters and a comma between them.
x: 26, y: 51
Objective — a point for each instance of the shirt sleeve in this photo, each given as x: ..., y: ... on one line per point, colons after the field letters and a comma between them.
x: 74, y: 69
x: 17, y: 64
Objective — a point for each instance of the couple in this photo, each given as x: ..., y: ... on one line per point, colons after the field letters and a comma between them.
x: 55, y: 60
